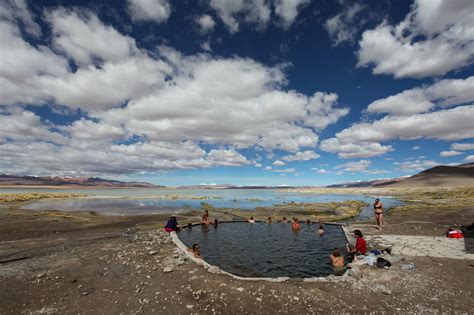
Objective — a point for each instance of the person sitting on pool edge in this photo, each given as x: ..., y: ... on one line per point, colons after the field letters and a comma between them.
x: 251, y: 220
x: 196, y: 250
x: 295, y: 226
x: 337, y: 262
x: 321, y: 227
x: 172, y: 225
x: 360, y: 246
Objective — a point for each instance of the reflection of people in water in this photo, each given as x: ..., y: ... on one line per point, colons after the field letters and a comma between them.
x: 295, y: 226
x: 378, y: 211
x: 269, y: 220
x: 321, y: 227
x: 196, y: 250
x: 251, y: 220
x: 337, y: 262
x: 205, y: 218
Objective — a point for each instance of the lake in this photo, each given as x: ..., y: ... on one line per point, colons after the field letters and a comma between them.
x: 159, y: 200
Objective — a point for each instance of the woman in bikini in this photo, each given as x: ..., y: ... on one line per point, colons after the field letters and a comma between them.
x: 378, y: 211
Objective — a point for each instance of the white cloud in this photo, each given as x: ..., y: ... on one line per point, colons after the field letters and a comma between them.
x: 301, y: 156
x: 469, y: 158
x: 362, y: 140
x: 268, y: 168
x: 149, y: 10
x: 206, y: 46
x: 416, y: 147
x: 232, y: 13
x: 17, y: 10
x: 462, y: 146
x: 147, y: 112
x: 258, y: 165
x: 279, y: 163
x: 449, y: 153
x: 436, y: 37
x: 206, y: 23
x: 344, y: 26
x: 323, y: 171
x: 287, y: 10
x: 443, y: 93
x: 416, y: 165
x: 359, y: 166
x: 286, y: 170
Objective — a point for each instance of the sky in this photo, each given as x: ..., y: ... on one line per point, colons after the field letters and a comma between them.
x: 264, y: 92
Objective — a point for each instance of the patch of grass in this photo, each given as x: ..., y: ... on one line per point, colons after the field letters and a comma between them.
x: 36, y: 196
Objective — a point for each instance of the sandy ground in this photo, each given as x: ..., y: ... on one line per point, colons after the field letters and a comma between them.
x: 88, y: 264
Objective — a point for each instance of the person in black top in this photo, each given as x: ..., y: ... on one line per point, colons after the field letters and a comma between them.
x: 172, y: 224
x: 378, y: 211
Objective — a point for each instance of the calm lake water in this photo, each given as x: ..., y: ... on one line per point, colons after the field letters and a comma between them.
x: 148, y: 201
x: 279, y: 251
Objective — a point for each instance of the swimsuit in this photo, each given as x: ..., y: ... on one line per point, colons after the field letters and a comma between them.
x: 379, y: 207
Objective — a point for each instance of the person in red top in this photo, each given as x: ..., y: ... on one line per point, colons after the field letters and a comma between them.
x: 360, y: 246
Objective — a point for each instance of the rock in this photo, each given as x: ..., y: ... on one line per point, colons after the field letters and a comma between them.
x: 259, y: 299
x: 152, y: 252
x: 214, y: 270
x: 296, y: 298
x: 40, y: 275
x: 240, y: 289
x: 168, y: 269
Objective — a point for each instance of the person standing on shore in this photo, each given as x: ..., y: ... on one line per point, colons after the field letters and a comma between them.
x: 378, y: 211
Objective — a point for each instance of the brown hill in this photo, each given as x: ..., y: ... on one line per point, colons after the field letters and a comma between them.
x: 7, y: 180
x: 440, y: 176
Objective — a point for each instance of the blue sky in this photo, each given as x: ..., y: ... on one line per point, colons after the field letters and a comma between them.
x: 269, y: 92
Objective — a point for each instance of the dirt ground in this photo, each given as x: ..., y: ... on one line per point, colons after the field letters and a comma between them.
x: 86, y: 264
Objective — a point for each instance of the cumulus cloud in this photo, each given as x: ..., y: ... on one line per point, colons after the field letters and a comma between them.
x: 416, y: 165
x: 362, y: 140
x: 416, y: 147
x: 436, y: 37
x: 167, y: 102
x: 233, y: 12
x: 149, y: 10
x: 449, y: 153
x: 344, y: 26
x: 17, y: 10
x: 462, y: 146
x: 469, y: 158
x: 301, y: 156
x: 278, y: 163
x: 288, y: 10
x: 206, y: 23
x: 359, y: 166
x: 444, y: 93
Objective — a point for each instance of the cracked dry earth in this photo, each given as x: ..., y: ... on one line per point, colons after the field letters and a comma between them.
x: 113, y: 268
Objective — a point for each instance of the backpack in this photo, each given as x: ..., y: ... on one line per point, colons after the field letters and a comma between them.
x: 382, y: 263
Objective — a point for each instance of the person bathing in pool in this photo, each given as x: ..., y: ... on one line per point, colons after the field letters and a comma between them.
x: 196, y: 250
x: 205, y: 218
x: 269, y: 220
x: 337, y: 262
x: 295, y: 226
x: 378, y: 211
x: 251, y: 220
x: 321, y: 227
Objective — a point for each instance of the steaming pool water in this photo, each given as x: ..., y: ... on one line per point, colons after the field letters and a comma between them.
x: 267, y: 250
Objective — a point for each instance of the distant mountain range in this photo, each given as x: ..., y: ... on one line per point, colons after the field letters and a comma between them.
x: 438, y: 176
x: 7, y: 180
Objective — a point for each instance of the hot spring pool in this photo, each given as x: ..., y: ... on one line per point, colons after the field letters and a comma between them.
x: 267, y: 250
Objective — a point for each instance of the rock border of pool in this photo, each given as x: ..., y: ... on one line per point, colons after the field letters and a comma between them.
x: 217, y: 270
